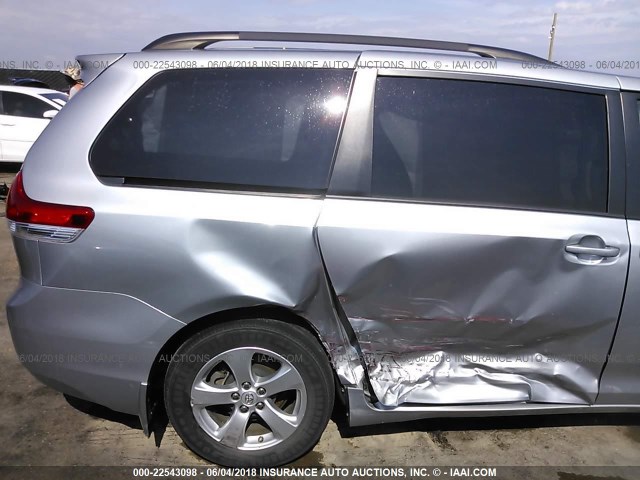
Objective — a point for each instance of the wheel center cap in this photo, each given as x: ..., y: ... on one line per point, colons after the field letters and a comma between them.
x: 248, y: 398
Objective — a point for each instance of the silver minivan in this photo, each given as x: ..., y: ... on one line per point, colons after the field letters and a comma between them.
x: 238, y: 238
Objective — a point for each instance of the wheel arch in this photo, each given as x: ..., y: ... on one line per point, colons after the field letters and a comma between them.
x: 153, y: 416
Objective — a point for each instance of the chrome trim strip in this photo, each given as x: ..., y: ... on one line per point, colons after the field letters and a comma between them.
x: 45, y: 233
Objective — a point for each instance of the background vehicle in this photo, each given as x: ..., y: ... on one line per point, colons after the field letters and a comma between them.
x: 28, y: 82
x: 241, y: 236
x: 24, y: 114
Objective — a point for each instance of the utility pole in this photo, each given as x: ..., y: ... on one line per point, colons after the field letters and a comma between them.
x: 552, y: 35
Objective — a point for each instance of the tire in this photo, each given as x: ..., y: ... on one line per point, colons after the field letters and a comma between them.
x: 246, y: 425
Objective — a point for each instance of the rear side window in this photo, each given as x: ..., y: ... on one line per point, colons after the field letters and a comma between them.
x: 468, y: 142
x: 21, y: 105
x: 264, y: 128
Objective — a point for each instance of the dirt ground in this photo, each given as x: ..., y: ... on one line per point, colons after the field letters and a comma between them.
x: 38, y: 426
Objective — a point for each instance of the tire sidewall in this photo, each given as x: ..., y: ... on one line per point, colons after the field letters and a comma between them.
x: 294, y: 344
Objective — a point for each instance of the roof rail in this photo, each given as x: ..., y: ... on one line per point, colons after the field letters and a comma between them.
x: 201, y: 40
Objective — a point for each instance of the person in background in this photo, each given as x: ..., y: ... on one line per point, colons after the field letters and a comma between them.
x: 73, y: 72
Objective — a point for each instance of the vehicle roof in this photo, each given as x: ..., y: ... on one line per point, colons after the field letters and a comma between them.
x: 202, y: 40
x: 28, y: 90
x: 443, y: 57
x: 629, y: 83
x: 385, y: 60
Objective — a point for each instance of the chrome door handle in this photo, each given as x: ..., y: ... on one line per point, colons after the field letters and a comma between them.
x: 8, y: 124
x: 578, y: 249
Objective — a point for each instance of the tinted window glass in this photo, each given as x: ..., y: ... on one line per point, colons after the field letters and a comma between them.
x: 274, y: 128
x: 21, y: 105
x: 487, y: 143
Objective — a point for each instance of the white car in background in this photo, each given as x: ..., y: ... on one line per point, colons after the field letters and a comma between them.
x: 24, y: 113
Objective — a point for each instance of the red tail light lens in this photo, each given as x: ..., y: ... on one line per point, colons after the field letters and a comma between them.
x: 20, y: 208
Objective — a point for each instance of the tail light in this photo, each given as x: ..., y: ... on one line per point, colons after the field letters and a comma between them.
x: 44, y: 221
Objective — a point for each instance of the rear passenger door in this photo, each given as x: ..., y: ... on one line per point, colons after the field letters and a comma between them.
x: 475, y: 236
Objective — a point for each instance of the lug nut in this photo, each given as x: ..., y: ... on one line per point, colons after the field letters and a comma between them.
x: 261, y: 391
x: 246, y: 385
x: 244, y: 408
x: 260, y: 439
x: 259, y: 405
x: 235, y: 396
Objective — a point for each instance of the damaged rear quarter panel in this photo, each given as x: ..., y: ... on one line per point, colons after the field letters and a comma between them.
x: 227, y: 251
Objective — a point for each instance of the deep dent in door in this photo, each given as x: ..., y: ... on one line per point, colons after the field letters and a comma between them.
x: 446, y: 316
x: 434, y: 353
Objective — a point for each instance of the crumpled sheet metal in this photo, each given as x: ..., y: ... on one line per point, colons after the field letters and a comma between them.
x: 347, y: 363
x: 455, y: 305
x: 441, y: 361
x: 443, y: 378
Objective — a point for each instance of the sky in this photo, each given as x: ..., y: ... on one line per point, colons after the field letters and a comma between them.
x: 53, y: 32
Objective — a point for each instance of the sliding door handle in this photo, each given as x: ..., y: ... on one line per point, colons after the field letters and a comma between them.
x: 606, y: 252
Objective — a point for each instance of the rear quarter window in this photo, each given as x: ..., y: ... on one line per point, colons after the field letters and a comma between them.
x: 253, y: 128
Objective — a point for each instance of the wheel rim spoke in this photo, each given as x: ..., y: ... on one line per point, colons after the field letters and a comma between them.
x: 239, y: 361
x: 205, y: 395
x: 286, y: 378
x: 231, y: 387
x: 232, y: 433
x: 281, y: 424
